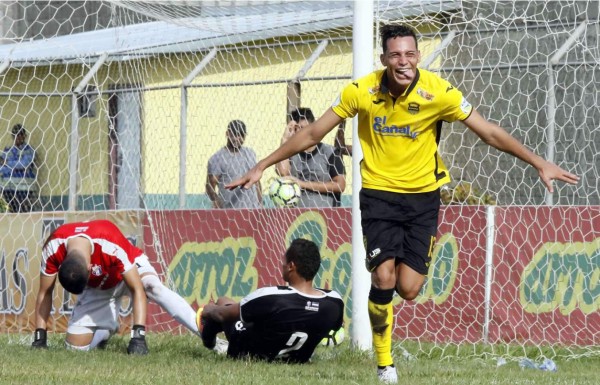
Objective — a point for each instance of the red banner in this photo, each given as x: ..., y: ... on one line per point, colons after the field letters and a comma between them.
x: 233, y: 252
x: 544, y: 283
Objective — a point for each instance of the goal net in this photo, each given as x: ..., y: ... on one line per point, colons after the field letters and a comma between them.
x: 125, y: 103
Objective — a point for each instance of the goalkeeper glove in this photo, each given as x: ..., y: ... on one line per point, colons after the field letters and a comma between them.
x: 137, y: 343
x: 39, y: 338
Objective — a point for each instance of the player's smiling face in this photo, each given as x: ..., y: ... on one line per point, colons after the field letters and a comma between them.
x: 401, y: 59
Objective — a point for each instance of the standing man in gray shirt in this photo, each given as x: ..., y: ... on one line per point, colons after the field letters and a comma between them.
x: 229, y: 164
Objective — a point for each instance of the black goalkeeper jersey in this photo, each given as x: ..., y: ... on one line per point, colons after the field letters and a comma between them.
x: 279, y: 322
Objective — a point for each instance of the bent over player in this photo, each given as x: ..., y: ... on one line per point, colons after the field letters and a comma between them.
x: 95, y: 261
x: 400, y: 112
x: 279, y: 322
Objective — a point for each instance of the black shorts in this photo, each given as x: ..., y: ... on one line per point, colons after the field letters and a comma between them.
x: 241, y: 342
x: 400, y: 226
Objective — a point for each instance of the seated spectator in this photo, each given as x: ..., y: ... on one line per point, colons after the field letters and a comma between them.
x: 318, y: 170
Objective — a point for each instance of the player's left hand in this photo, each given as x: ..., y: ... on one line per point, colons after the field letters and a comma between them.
x: 39, y: 339
x: 549, y: 171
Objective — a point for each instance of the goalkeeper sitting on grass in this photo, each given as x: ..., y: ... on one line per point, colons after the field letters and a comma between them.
x: 95, y: 261
x: 279, y: 322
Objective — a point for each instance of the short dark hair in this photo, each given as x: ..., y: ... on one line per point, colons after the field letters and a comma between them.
x: 73, y: 273
x: 306, y: 256
x: 237, y: 127
x: 18, y: 129
x: 391, y: 31
x: 302, y: 113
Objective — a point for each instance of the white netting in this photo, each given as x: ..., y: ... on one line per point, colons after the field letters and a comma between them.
x: 125, y: 102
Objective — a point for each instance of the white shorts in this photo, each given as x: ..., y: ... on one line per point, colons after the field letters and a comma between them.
x: 99, y: 309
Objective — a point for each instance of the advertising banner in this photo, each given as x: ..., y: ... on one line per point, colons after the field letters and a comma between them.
x: 544, y: 269
x: 215, y: 253
x: 546, y: 283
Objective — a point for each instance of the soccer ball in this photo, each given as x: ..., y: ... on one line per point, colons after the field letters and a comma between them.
x: 284, y: 192
x: 334, y: 338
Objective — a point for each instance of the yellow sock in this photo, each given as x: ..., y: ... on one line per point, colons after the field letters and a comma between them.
x: 382, y: 321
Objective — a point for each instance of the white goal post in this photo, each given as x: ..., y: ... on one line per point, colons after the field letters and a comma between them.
x: 124, y: 102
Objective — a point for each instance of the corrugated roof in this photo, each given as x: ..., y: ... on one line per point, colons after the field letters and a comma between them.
x: 203, y: 33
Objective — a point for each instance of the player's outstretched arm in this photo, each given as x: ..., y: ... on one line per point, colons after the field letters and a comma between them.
x: 305, y: 138
x: 497, y: 137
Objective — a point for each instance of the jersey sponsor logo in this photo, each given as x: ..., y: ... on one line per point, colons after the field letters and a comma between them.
x: 312, y: 306
x: 465, y: 106
x: 450, y: 88
x: 378, y: 101
x: 381, y: 127
x: 96, y: 270
x: 413, y: 108
x: 81, y: 229
x: 424, y: 94
x: 355, y: 84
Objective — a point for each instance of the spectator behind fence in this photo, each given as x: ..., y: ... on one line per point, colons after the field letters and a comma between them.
x: 318, y: 170
x: 228, y: 164
x: 18, y: 172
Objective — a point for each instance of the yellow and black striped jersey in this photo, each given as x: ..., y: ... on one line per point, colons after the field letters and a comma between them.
x: 399, y: 136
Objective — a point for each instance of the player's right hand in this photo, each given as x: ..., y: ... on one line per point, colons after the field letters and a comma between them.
x: 137, y: 343
x: 137, y: 346
x: 39, y: 338
x: 246, y: 181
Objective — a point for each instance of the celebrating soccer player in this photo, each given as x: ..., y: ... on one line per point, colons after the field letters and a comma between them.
x: 400, y: 111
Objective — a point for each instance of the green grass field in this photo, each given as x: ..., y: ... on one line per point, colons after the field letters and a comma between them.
x: 182, y: 360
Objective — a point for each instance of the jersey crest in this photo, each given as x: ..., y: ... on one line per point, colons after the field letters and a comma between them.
x: 96, y: 270
x: 424, y: 94
x: 312, y: 306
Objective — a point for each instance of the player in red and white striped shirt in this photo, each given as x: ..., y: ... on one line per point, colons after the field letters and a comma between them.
x: 98, y: 263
